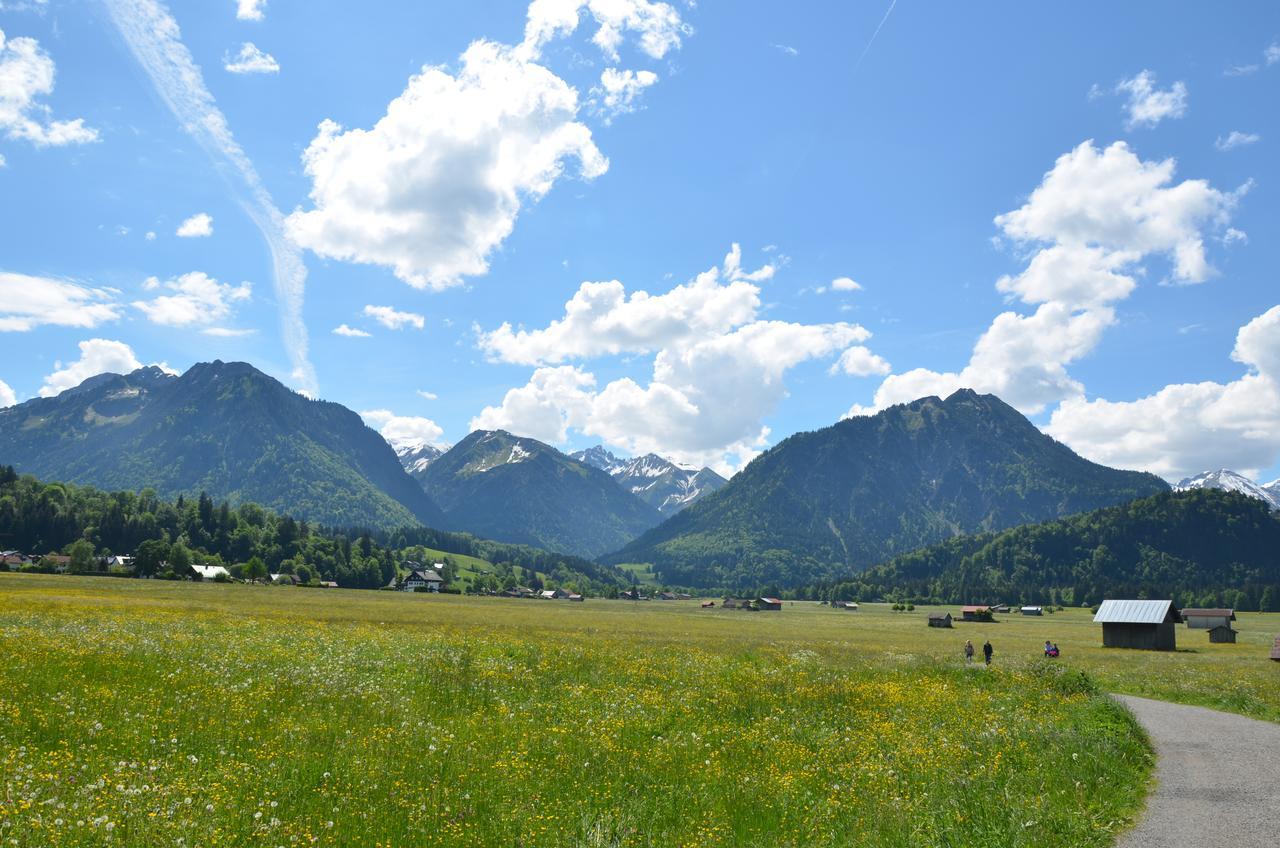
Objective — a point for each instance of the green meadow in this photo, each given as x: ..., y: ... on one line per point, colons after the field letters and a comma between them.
x: 143, y: 713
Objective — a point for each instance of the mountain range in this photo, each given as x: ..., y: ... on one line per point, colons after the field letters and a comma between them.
x: 224, y: 428
x: 516, y: 489
x: 658, y: 482
x: 837, y: 500
x: 1230, y: 481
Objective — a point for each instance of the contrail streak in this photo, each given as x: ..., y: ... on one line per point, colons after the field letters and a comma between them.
x: 867, y: 49
x: 153, y: 37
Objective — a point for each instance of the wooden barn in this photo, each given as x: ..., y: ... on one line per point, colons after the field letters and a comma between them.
x: 943, y: 619
x: 1207, y: 619
x: 975, y: 612
x: 1033, y: 610
x: 1145, y: 625
x: 1275, y: 650
x: 1222, y: 634
x: 769, y: 604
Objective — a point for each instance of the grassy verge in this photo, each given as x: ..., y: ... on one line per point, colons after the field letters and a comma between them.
x: 149, y: 714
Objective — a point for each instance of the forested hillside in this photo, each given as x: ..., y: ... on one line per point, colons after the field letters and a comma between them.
x: 40, y: 518
x: 838, y: 500
x: 1201, y: 547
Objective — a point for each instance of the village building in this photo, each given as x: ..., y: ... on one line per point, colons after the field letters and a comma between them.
x: 1222, y: 634
x: 1275, y: 650
x: 975, y: 612
x: 328, y: 584
x: 940, y: 619
x: 574, y: 596
x: 1145, y: 625
x: 422, y: 580
x: 1207, y: 619
x: 849, y: 605
x: 553, y: 595
x: 211, y: 572
x: 1033, y: 610
x: 60, y: 563
x: 1000, y: 608
x: 769, y: 604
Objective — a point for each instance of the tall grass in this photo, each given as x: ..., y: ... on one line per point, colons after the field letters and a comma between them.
x: 147, y: 715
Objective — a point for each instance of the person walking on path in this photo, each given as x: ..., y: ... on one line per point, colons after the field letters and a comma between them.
x: 987, y: 652
x: 968, y: 651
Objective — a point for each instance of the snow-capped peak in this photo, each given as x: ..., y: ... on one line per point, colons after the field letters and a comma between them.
x: 1230, y: 481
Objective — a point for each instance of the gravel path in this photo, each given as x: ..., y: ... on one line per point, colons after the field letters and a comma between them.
x: 1218, y: 778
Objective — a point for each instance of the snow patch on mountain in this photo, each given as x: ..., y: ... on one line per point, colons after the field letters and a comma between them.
x: 658, y: 481
x: 1230, y: 481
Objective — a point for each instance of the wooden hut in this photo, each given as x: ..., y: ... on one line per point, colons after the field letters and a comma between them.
x: 1207, y: 619
x: 943, y: 619
x: 1033, y: 610
x: 1275, y: 650
x: 1145, y: 625
x: 769, y: 604
x: 975, y: 612
x: 1222, y: 634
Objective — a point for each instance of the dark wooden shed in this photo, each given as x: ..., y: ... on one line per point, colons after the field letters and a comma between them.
x: 943, y: 619
x: 1275, y: 650
x: 1144, y: 625
x: 1222, y: 634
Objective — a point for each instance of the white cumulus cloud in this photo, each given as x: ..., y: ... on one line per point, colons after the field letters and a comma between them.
x: 404, y: 431
x: 1093, y: 223
x: 656, y: 26
x: 251, y: 60
x: 199, y: 225
x: 602, y: 319
x: 845, y: 284
x: 97, y: 356
x: 7, y: 397
x: 27, y: 74
x: 197, y: 299
x: 394, y: 319
x: 718, y: 369
x: 27, y: 302
x: 350, y: 332
x: 250, y: 10
x: 619, y: 91
x: 1148, y: 105
x: 1186, y: 428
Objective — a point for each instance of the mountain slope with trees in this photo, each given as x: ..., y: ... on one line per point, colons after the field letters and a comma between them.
x: 42, y: 518
x: 514, y: 489
x: 1201, y: 546
x: 835, y: 501
x: 222, y: 428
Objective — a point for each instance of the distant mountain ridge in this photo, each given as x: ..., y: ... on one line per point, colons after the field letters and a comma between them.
x: 515, y: 489
x: 1230, y: 481
x: 657, y: 481
x: 835, y: 501
x: 415, y: 458
x: 224, y: 428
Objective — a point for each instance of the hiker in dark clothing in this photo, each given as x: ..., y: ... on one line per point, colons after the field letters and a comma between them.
x: 987, y: 652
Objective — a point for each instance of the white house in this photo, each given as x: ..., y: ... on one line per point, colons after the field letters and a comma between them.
x: 211, y: 572
x: 426, y: 580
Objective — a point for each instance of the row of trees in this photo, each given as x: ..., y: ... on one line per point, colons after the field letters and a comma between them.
x: 91, y: 525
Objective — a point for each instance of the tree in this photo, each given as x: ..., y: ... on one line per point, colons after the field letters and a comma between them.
x: 255, y: 569
x: 180, y: 559
x: 1270, y: 601
x: 148, y: 557
x: 82, y: 556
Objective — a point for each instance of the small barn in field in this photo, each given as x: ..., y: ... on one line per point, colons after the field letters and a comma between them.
x: 1207, y: 619
x: 1033, y: 610
x: 769, y: 604
x: 976, y: 612
x: 940, y: 619
x: 1275, y: 650
x: 1222, y: 634
x: 1145, y: 625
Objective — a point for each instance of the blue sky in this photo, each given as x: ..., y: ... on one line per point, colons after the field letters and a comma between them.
x: 1043, y: 202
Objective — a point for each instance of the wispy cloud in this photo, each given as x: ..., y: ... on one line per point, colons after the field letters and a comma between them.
x: 1236, y: 139
x: 155, y: 40
x: 788, y: 49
